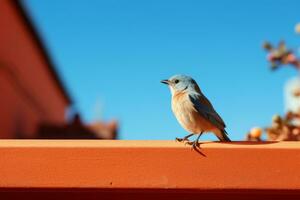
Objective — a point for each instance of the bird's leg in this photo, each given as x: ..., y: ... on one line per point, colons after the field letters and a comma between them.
x: 195, y: 143
x: 184, y: 138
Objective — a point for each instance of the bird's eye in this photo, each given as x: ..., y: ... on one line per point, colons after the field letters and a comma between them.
x: 176, y: 81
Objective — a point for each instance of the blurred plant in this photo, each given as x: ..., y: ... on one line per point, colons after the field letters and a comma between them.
x: 281, y: 129
x: 281, y: 55
x: 284, y: 128
x: 255, y: 134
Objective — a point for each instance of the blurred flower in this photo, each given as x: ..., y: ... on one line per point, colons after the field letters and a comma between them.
x: 280, y: 55
x: 296, y: 131
x: 256, y: 132
x: 276, y: 119
x: 296, y: 92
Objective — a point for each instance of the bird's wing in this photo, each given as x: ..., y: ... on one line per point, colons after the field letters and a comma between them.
x: 206, y: 110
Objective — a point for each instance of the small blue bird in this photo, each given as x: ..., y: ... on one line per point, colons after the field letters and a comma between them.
x: 193, y: 110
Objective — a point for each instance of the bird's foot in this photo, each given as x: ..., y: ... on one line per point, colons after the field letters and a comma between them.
x: 182, y: 139
x: 195, y: 144
x: 179, y: 139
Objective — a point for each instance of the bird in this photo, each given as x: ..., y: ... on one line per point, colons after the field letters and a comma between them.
x: 193, y: 110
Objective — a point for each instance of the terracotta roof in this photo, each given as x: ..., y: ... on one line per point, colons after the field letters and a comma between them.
x: 39, y: 42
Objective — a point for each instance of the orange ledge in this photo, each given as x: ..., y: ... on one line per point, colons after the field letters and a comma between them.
x: 120, y: 165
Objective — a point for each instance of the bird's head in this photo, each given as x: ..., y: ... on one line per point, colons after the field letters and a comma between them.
x: 179, y: 83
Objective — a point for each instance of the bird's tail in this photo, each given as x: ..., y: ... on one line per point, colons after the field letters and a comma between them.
x: 223, y: 136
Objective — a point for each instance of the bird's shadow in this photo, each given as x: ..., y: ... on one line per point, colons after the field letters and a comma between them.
x: 246, y: 142
x: 198, y: 147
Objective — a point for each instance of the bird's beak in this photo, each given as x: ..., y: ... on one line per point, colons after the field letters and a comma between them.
x: 165, y: 82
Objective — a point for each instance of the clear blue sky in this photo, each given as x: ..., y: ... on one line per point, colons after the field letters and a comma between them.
x: 112, y: 54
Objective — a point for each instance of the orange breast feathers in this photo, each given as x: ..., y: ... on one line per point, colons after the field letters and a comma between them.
x: 187, y: 115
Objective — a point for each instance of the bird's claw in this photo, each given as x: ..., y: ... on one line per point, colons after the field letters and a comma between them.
x: 194, y: 144
x: 181, y: 139
x: 189, y: 143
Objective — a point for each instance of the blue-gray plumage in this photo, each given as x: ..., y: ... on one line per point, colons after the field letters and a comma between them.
x: 193, y: 110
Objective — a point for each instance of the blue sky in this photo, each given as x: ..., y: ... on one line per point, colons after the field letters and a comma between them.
x: 112, y: 54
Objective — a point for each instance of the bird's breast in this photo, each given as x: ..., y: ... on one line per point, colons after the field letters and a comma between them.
x: 187, y: 115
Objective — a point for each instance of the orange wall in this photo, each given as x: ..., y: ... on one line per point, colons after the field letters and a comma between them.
x: 127, y: 169
x: 28, y: 92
